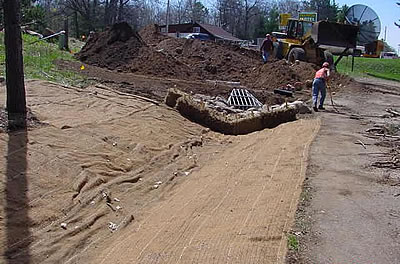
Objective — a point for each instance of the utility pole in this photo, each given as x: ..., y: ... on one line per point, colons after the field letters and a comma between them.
x: 16, y: 101
x: 385, y: 33
x: 167, y: 18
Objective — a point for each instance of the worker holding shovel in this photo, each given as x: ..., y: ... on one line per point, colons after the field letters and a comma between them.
x: 319, y: 86
x: 266, y: 48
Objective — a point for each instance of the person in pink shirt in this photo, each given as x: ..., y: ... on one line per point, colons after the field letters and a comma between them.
x: 319, y: 86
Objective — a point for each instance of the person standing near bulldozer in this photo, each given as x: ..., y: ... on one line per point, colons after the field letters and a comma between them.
x: 319, y: 86
x: 266, y: 48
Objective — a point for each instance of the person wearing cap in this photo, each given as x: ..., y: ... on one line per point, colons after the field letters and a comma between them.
x: 319, y: 86
x: 266, y: 47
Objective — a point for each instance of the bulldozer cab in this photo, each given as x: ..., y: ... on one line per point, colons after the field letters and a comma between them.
x: 299, y: 29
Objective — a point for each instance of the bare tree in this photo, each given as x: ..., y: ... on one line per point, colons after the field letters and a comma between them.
x: 16, y: 100
x: 250, y: 10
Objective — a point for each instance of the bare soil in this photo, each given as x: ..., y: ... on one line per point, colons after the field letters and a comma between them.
x: 113, y: 178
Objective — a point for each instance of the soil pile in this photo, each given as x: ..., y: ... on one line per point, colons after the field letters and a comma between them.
x: 120, y: 48
x: 280, y: 73
x: 153, y: 54
x: 151, y: 34
x: 213, y: 60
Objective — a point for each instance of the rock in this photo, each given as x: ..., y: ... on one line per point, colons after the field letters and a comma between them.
x: 308, y: 83
x: 63, y: 225
x: 112, y: 226
x: 179, y: 50
x: 298, y: 86
x: 211, y: 69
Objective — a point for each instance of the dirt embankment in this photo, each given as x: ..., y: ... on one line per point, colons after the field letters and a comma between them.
x: 120, y: 48
x: 150, y: 53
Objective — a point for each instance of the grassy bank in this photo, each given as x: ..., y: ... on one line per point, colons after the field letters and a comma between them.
x: 381, y: 68
x: 39, y: 57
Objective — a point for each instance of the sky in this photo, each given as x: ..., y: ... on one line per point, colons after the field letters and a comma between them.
x: 388, y: 13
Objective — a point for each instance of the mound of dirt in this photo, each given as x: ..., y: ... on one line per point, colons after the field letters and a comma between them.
x: 213, y: 60
x: 153, y: 54
x: 151, y: 34
x: 120, y: 48
x: 278, y: 74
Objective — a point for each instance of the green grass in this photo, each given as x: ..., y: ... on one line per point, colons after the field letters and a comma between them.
x: 39, y: 57
x: 381, y: 68
x: 293, y: 243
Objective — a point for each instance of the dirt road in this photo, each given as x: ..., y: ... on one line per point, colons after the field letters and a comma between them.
x: 112, y: 178
x: 353, y: 216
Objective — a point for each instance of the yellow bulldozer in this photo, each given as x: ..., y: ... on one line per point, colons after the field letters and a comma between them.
x: 315, y: 42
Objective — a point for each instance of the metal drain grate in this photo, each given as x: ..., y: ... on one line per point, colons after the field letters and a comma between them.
x: 243, y: 99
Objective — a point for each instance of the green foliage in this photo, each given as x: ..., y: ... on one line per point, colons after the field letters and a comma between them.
x: 381, y: 68
x: 260, y: 30
x: 325, y: 9
x: 341, y: 15
x: 34, y: 13
x: 272, y: 21
x: 200, y: 12
x: 293, y: 243
x: 387, y: 47
x: 39, y: 58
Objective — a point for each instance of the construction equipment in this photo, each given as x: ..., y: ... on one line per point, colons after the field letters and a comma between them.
x: 315, y: 42
x: 369, y: 29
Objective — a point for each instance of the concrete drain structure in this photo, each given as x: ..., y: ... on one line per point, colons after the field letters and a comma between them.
x: 243, y: 99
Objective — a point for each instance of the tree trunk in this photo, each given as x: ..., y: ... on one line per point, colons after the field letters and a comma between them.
x: 16, y: 101
x: 77, y: 33
x: 65, y: 44
x: 93, y: 15
x: 120, y: 9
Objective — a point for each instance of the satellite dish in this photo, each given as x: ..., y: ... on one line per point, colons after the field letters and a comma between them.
x: 368, y: 21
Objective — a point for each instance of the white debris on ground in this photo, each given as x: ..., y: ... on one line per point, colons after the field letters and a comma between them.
x: 221, y: 105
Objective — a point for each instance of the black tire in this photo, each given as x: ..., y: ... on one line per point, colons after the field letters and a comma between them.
x: 296, y: 54
x: 278, y: 50
x: 329, y: 58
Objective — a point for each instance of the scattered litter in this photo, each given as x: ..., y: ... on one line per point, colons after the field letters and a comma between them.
x: 76, y: 227
x: 114, y: 144
x: 112, y: 226
x: 393, y: 112
x: 155, y: 186
x: 159, y: 182
x: 64, y: 225
x: 187, y: 173
x: 117, y: 200
x: 118, y: 207
x: 106, y: 196
x: 359, y: 142
x: 92, y: 202
x: 110, y: 205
